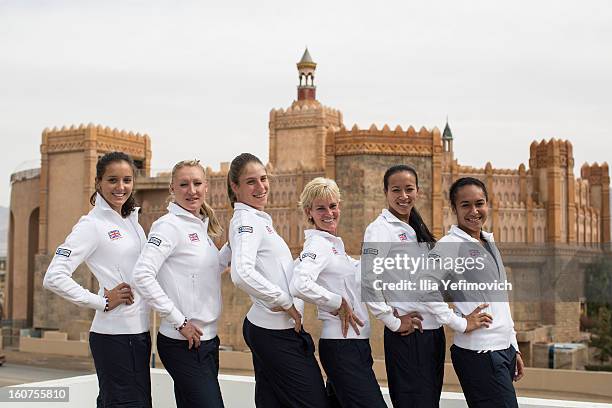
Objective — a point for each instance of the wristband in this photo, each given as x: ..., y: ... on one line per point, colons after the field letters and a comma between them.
x: 182, y: 325
x: 106, y: 309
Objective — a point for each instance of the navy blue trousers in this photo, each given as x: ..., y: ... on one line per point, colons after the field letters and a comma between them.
x: 350, y: 379
x: 194, y: 371
x: 122, y: 365
x: 415, y: 367
x: 486, y: 378
x: 286, y: 371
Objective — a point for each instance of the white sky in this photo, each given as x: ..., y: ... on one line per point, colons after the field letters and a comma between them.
x: 201, y: 79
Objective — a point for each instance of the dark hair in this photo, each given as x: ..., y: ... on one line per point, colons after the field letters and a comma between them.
x: 128, y: 207
x: 462, y: 182
x: 235, y: 170
x: 414, y: 220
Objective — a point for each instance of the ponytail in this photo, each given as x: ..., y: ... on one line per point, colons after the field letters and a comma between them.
x: 214, y: 226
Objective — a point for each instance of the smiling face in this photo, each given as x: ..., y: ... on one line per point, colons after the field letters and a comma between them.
x: 116, y: 184
x: 189, y: 188
x: 401, y: 194
x: 325, y: 214
x: 471, y: 208
x: 253, y: 186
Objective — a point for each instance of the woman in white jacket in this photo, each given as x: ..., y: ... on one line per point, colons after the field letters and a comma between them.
x: 488, y: 360
x: 414, y: 363
x: 327, y: 277
x: 109, y: 240
x: 286, y: 371
x: 179, y: 275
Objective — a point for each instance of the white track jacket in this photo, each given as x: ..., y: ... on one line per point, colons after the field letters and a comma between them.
x: 109, y: 245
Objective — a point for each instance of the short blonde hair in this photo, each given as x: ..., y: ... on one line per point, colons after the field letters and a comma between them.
x: 319, y: 187
x: 214, y: 226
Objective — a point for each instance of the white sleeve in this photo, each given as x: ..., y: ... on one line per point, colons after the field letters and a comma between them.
x: 225, y: 257
x: 162, y: 240
x: 445, y: 315
x: 376, y: 234
x: 79, y: 245
x: 433, y: 302
x: 314, y: 258
x: 245, y: 236
x: 513, y: 340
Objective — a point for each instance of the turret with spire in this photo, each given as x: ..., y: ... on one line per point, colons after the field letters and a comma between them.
x: 306, y: 69
x: 447, y: 138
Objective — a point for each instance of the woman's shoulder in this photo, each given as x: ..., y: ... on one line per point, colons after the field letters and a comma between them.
x: 89, y: 221
x: 317, y: 240
x: 248, y: 219
x: 378, y: 229
x: 167, y: 224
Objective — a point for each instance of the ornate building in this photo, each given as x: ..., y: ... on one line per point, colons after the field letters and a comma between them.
x: 534, y: 210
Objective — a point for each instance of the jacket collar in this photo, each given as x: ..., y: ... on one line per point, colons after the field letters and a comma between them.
x: 455, y: 230
x: 332, y: 238
x: 181, y: 212
x: 244, y: 207
x: 102, y: 205
x: 389, y: 217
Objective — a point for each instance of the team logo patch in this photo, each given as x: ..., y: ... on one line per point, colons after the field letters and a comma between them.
x: 370, y: 251
x: 245, y: 228
x: 334, y: 250
x: 114, y: 234
x: 270, y: 230
x: 155, y: 241
x: 403, y: 237
x: 194, y: 237
x: 308, y: 255
x: 63, y: 252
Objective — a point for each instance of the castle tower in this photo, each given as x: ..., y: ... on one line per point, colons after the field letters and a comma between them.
x: 599, y: 181
x: 297, y: 134
x: 552, y: 163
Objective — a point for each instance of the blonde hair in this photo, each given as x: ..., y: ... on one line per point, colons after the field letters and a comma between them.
x: 214, y: 226
x: 319, y: 187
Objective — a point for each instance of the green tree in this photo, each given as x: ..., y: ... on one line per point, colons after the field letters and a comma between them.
x: 598, y: 284
x: 601, y: 337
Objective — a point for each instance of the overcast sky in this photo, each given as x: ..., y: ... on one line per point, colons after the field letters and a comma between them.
x: 200, y: 79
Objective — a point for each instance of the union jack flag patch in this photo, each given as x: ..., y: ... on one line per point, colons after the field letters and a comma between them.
x: 270, y: 230
x: 194, y: 237
x: 334, y: 250
x: 403, y: 237
x: 114, y: 234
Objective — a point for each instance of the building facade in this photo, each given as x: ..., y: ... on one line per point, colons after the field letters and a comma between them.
x: 535, y: 209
